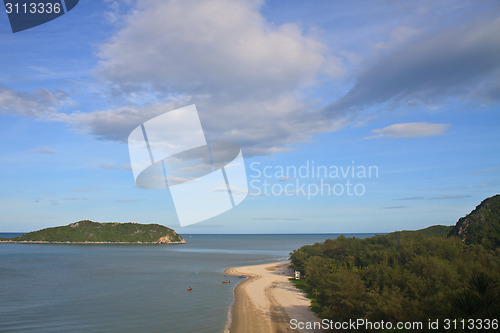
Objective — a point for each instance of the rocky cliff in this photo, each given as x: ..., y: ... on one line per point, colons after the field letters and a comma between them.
x: 482, y: 225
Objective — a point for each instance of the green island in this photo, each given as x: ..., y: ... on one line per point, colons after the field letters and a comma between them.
x: 88, y: 232
x: 441, y: 272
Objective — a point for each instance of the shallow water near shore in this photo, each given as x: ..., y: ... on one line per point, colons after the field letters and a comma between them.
x: 131, y: 288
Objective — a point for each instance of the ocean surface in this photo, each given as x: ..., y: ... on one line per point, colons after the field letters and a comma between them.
x: 131, y: 288
x: 10, y: 234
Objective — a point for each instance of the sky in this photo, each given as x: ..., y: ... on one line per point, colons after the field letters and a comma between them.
x: 366, y: 116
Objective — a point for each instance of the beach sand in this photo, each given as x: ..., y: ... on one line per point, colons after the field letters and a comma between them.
x: 267, y: 301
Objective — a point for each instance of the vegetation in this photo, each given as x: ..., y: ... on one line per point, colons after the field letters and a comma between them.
x: 302, y: 285
x: 433, y: 231
x: 88, y: 231
x: 482, y: 225
x: 404, y: 276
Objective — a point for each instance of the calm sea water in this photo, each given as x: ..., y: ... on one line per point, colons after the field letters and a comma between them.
x: 130, y: 288
x: 10, y: 234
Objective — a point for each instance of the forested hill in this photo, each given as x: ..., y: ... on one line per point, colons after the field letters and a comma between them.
x: 95, y: 232
x: 408, y: 275
x: 433, y: 231
x: 482, y: 225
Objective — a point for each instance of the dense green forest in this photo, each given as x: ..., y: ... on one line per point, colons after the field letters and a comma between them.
x: 88, y: 231
x: 406, y: 276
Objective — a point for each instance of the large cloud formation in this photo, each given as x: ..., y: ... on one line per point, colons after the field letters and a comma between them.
x: 246, y: 74
x: 37, y: 104
x: 250, y: 77
x: 410, y: 130
x: 219, y: 47
x: 243, y: 72
x: 439, y: 64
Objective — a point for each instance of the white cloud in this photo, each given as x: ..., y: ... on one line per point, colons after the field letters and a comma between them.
x: 260, y: 127
x: 411, y: 198
x: 450, y: 197
x: 129, y: 200
x: 410, y: 130
x: 266, y: 126
x: 219, y: 47
x: 246, y: 75
x: 452, y: 62
x: 234, y: 189
x: 43, y: 150
x: 243, y: 73
x: 116, y: 10
x: 115, y: 124
x: 116, y: 167
x: 39, y: 103
x: 398, y: 36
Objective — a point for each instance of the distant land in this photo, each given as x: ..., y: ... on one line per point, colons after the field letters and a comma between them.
x: 432, y: 231
x: 89, y: 232
x: 480, y: 227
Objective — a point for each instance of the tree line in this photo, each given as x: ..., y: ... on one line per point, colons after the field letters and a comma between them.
x: 400, y: 277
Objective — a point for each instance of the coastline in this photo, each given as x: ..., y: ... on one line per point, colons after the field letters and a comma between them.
x: 266, y: 301
x: 91, y: 243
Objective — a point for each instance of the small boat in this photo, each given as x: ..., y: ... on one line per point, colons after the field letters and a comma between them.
x: 242, y: 276
x: 190, y: 288
x: 226, y: 281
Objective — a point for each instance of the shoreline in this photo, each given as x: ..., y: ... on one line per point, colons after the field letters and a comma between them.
x: 90, y: 243
x: 266, y: 300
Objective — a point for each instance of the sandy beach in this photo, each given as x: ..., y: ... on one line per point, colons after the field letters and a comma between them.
x: 266, y: 301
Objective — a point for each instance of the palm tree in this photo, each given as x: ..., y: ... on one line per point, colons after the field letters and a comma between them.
x: 479, y: 300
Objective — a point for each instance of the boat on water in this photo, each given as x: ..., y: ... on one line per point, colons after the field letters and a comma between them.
x: 242, y: 276
x: 226, y: 281
x: 190, y: 288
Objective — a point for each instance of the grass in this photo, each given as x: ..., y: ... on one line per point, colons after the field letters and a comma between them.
x: 302, y: 285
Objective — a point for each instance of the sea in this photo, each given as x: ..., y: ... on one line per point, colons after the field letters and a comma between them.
x: 131, y: 288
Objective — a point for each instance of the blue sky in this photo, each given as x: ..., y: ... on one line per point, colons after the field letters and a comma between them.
x: 411, y: 88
